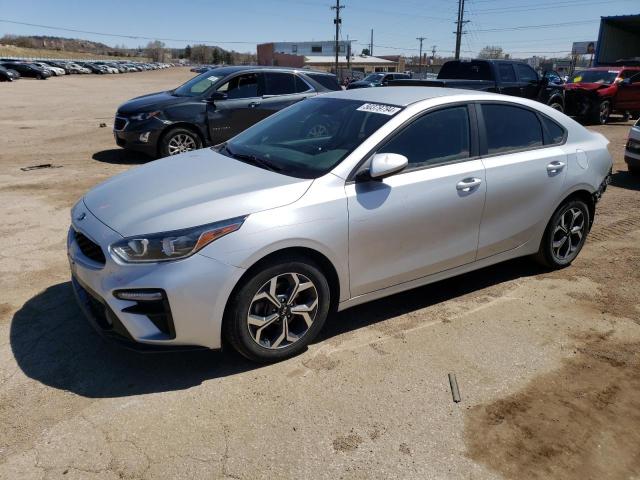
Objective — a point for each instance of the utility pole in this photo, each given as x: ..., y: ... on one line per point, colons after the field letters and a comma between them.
x: 459, y: 24
x: 433, y: 56
x: 337, y: 22
x: 420, y: 39
x: 371, y: 44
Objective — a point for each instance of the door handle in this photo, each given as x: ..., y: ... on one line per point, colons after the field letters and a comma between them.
x: 555, y: 167
x: 253, y: 104
x: 468, y: 184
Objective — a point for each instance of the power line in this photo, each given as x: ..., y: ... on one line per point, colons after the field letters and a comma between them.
x: 542, y: 6
x: 533, y: 27
x: 132, y: 37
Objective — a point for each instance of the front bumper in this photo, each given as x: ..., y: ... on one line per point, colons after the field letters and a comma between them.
x: 196, y: 290
x: 632, y: 150
x: 129, y: 136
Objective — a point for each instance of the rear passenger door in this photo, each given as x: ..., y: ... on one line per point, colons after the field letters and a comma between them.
x: 525, y: 167
x: 529, y: 81
x: 509, y: 84
x: 282, y: 89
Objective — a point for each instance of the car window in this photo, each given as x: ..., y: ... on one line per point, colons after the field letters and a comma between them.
x: 327, y: 81
x: 279, y: 83
x: 555, y: 132
x: 526, y: 73
x: 506, y: 72
x: 301, y: 85
x: 242, y: 86
x: 510, y: 128
x: 437, y: 137
x: 466, y: 70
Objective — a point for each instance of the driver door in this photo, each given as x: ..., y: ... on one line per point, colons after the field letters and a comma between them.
x: 239, y: 110
x: 425, y: 219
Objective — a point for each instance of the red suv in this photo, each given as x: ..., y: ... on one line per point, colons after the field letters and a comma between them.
x: 594, y: 93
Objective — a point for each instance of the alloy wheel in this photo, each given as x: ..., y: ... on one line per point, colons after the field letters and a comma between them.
x: 604, y: 112
x: 283, y: 310
x: 181, y: 143
x: 568, y: 235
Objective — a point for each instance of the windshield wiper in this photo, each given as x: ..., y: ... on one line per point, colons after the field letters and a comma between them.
x: 252, y: 159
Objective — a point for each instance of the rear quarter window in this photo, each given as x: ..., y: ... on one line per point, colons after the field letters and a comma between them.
x: 327, y: 81
x: 555, y: 134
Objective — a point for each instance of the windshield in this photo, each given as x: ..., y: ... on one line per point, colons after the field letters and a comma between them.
x: 595, y: 76
x: 374, y: 77
x: 197, y: 85
x: 311, y: 137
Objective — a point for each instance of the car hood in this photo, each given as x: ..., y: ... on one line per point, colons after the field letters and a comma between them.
x: 188, y: 190
x: 586, y: 86
x: 152, y: 101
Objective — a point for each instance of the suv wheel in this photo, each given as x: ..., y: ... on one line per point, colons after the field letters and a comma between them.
x: 557, y: 106
x: 601, y: 114
x: 179, y: 140
x: 278, y: 311
x: 565, y: 235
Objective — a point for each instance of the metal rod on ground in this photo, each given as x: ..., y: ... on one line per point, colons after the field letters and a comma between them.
x: 454, y: 387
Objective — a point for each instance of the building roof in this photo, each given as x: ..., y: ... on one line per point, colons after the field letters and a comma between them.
x: 355, y: 59
x: 401, y: 96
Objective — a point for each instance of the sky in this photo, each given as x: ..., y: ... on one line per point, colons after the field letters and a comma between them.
x: 521, y: 27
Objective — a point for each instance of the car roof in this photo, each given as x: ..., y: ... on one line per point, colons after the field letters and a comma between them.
x: 255, y: 68
x: 401, y: 96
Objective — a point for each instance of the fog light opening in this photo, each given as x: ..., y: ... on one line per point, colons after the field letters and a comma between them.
x: 138, y: 295
x: 144, y: 137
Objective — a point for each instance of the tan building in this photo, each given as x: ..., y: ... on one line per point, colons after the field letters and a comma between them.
x: 358, y: 63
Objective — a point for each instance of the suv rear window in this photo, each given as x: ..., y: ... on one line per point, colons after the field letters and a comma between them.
x: 327, y: 81
x: 510, y: 128
x: 475, y: 70
x: 279, y: 83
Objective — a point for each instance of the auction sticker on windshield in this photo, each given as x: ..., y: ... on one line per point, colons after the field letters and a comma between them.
x: 379, y: 108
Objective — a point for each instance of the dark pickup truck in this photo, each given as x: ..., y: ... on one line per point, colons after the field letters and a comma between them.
x: 498, y: 76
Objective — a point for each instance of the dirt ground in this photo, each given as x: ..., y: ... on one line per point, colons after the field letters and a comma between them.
x: 547, y: 363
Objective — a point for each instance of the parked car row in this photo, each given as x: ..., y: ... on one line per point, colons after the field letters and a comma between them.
x: 11, y: 69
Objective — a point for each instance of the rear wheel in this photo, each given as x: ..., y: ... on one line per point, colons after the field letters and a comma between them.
x: 179, y: 140
x: 277, y: 311
x: 565, y: 235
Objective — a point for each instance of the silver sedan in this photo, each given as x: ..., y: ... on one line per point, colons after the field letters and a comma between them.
x: 335, y: 201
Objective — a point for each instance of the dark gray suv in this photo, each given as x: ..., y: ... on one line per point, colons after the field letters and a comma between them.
x: 213, y: 107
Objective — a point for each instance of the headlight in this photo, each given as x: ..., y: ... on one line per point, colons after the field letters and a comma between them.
x: 162, y: 247
x: 145, y: 116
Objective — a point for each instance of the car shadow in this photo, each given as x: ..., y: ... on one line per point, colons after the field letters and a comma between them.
x: 625, y: 179
x: 54, y: 344
x: 120, y: 156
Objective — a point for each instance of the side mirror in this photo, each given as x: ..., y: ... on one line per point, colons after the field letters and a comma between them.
x: 386, y: 164
x: 218, y: 96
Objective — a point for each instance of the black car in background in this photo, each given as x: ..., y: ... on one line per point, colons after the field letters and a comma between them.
x: 380, y: 79
x: 28, y: 70
x: 499, y: 76
x: 213, y: 107
x: 8, y: 75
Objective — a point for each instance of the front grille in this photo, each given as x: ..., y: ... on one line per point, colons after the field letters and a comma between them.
x: 89, y: 248
x: 120, y: 123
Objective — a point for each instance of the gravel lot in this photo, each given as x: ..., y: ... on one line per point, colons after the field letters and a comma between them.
x: 547, y: 363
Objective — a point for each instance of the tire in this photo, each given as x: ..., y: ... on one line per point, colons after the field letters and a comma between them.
x: 38, y: 76
x: 600, y: 116
x: 179, y: 140
x: 265, y: 330
x: 626, y: 116
x: 557, y: 106
x: 558, y: 248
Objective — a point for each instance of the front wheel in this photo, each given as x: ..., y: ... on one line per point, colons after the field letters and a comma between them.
x: 557, y: 106
x: 601, y: 114
x: 277, y: 311
x: 565, y: 235
x: 179, y: 140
